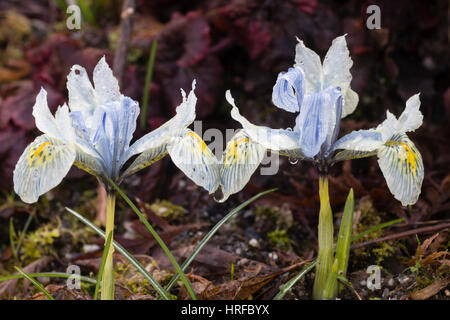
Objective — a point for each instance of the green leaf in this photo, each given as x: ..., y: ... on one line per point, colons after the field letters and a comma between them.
x: 12, y: 234
x: 288, y: 285
x: 148, y: 81
x: 35, y: 283
x: 376, y: 228
x: 48, y: 275
x: 102, y: 264
x: 344, y: 236
x: 126, y: 254
x: 211, y: 233
x: 157, y: 238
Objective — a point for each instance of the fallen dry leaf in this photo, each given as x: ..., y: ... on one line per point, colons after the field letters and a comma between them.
x: 431, y: 290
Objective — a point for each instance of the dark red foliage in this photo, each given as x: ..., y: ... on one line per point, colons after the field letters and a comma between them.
x: 183, y: 55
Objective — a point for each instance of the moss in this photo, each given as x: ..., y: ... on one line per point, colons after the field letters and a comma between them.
x: 39, y: 242
x: 383, y: 251
x: 280, y: 238
x: 368, y: 218
x: 167, y: 210
x: 281, y: 217
x: 127, y: 276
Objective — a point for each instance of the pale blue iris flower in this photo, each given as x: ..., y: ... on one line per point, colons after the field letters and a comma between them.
x: 321, y: 95
x: 94, y: 133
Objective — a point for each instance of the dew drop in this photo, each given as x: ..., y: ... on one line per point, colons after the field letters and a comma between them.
x: 219, y: 196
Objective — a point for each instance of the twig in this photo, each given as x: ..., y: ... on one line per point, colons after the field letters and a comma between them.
x: 126, y: 27
x: 403, y: 234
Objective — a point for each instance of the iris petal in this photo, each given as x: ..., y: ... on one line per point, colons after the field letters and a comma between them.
x: 402, y: 167
x: 184, y: 117
x: 287, y: 93
x: 272, y: 139
x: 106, y: 85
x: 42, y: 166
x: 241, y: 158
x: 191, y: 155
x: 317, y: 120
x: 309, y: 62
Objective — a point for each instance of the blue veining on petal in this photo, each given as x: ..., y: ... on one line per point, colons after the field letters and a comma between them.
x: 336, y: 94
x: 288, y: 91
x: 317, y: 119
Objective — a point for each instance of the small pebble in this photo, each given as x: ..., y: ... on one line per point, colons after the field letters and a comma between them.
x: 90, y: 248
x: 385, y: 293
x: 403, y: 279
x: 254, y: 243
x: 238, y: 251
x: 363, y: 283
x: 391, y: 282
x: 273, y: 256
x: 447, y: 292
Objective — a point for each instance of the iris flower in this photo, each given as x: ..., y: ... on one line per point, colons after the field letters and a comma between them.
x: 321, y: 95
x: 93, y: 133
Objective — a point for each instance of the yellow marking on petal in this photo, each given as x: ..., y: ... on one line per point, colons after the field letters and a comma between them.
x: 35, y: 154
x: 411, y: 157
x: 199, y: 139
x: 232, y: 154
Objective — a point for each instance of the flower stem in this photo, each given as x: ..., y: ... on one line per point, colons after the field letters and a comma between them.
x: 107, y: 288
x: 325, y: 255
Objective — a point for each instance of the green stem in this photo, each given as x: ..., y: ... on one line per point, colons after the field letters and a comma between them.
x: 107, y: 285
x: 325, y: 254
x: 157, y: 238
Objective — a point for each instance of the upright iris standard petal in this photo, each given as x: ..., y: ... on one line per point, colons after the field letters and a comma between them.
x: 58, y: 126
x: 336, y: 73
x: 402, y: 167
x: 42, y: 166
x: 308, y: 61
x: 317, y: 120
x: 106, y: 85
x: 82, y: 96
x: 287, y: 93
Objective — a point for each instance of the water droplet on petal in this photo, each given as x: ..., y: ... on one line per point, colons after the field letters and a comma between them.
x: 218, y: 195
x: 293, y: 160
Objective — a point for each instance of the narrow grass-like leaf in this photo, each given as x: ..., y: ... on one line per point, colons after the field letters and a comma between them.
x: 86, y: 11
x: 325, y: 239
x: 376, y: 228
x: 330, y: 290
x: 344, y: 237
x: 22, y: 234
x: 126, y: 254
x: 11, y: 238
x: 157, y: 238
x: 102, y: 265
x: 35, y: 283
x: 288, y: 285
x: 62, y: 5
x: 211, y: 233
x: 48, y: 275
x: 148, y: 81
